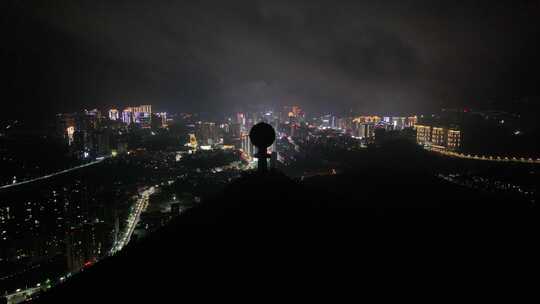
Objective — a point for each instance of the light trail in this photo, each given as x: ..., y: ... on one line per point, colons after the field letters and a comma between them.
x: 134, y: 218
x: 53, y: 174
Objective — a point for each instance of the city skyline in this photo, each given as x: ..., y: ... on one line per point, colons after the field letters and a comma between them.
x: 131, y: 173
x: 135, y: 134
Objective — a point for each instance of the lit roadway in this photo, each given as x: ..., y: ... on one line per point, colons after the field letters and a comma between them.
x: 142, y: 202
x: 133, y: 219
x: 53, y: 174
x: 485, y: 158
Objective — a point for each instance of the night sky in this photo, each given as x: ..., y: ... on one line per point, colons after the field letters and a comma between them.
x: 394, y: 57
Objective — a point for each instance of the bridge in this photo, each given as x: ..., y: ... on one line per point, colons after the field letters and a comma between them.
x: 484, y: 157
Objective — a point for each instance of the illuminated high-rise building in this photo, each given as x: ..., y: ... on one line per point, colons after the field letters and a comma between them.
x: 423, y: 134
x: 127, y: 116
x: 67, y: 125
x: 438, y: 136
x: 399, y: 123
x: 144, y: 119
x: 240, y: 118
x: 247, y: 147
x: 141, y: 115
x: 114, y: 114
x: 192, y: 141
x: 454, y: 139
x: 70, y: 131
x: 163, y: 117
x: 91, y: 122
x: 411, y: 121
x: 144, y: 109
x: 326, y: 121
x: 298, y: 113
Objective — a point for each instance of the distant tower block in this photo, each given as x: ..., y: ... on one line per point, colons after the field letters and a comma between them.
x: 262, y: 136
x: 192, y: 141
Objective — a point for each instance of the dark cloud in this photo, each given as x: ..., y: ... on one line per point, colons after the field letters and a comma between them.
x: 392, y: 56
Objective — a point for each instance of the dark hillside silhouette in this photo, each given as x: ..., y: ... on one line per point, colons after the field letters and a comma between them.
x: 266, y: 224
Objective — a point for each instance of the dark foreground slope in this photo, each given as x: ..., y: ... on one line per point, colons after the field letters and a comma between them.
x: 267, y: 235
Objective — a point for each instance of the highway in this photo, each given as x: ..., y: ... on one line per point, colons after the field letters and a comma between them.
x: 53, y: 174
x: 133, y: 219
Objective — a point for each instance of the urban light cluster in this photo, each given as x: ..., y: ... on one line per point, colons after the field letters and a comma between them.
x: 140, y: 115
x: 90, y: 135
x: 439, y: 138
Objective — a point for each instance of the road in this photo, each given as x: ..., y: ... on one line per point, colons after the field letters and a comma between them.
x: 20, y: 296
x: 133, y: 219
x: 53, y: 174
x: 484, y: 157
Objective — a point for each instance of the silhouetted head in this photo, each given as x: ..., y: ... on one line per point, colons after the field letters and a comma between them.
x: 262, y: 135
